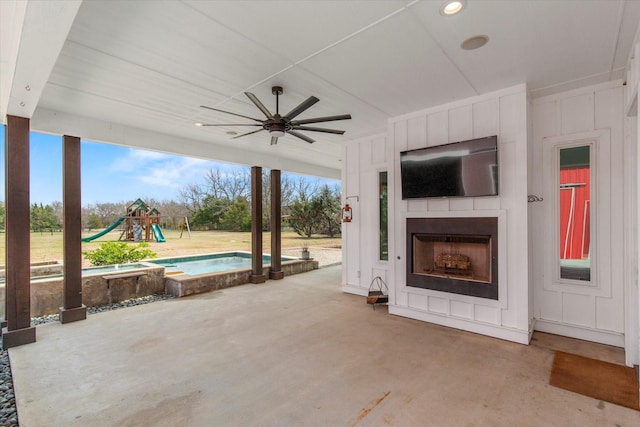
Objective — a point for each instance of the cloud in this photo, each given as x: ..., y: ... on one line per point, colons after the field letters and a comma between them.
x: 161, y: 169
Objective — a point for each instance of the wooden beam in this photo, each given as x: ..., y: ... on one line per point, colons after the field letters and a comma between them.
x: 73, y: 309
x: 256, y: 226
x: 276, y: 226
x: 17, y: 209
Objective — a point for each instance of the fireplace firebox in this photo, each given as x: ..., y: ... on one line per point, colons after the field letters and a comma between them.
x: 456, y: 255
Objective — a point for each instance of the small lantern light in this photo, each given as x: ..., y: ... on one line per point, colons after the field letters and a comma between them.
x: 347, y: 213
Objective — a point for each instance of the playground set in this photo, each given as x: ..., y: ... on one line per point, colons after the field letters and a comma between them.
x: 141, y: 223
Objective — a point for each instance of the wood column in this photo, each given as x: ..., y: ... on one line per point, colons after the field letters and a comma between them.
x: 256, y: 226
x: 276, y: 226
x: 73, y: 309
x: 18, y: 280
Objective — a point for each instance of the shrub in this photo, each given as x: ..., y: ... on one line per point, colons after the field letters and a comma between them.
x: 119, y: 253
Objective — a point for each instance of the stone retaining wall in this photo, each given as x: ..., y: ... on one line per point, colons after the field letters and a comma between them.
x: 47, y: 297
x: 181, y: 285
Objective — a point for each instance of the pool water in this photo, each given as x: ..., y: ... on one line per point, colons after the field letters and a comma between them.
x: 215, y: 263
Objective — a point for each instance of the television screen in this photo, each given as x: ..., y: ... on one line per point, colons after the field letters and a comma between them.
x: 461, y: 169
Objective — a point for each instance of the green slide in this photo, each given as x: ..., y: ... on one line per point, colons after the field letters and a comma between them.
x: 105, y: 231
x: 157, y: 233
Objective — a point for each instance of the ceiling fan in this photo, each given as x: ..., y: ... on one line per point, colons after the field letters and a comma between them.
x: 278, y: 125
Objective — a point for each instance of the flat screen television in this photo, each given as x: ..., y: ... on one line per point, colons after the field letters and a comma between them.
x: 461, y: 169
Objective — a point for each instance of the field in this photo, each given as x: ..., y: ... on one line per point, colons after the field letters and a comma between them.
x: 47, y: 246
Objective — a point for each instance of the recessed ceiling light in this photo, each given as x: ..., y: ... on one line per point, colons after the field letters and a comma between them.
x: 451, y: 7
x: 199, y: 124
x: 474, y: 42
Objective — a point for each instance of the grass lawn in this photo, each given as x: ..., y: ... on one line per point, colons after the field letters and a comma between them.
x: 48, y: 247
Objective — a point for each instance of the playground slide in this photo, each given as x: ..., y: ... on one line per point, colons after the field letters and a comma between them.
x: 105, y: 231
x: 157, y: 233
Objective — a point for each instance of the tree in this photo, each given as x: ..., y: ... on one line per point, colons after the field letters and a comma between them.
x: 237, y: 217
x: 210, y: 213
x: 43, y: 218
x: 93, y: 221
x: 2, y: 215
x: 303, y: 219
x: 326, y: 206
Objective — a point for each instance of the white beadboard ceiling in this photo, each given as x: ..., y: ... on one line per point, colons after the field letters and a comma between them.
x: 135, y: 72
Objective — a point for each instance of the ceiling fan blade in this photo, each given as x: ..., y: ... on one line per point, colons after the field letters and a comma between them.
x: 303, y: 106
x: 248, y: 133
x: 274, y: 140
x: 314, y: 129
x: 229, y: 124
x: 259, y: 104
x: 229, y: 112
x: 301, y: 136
x: 322, y: 119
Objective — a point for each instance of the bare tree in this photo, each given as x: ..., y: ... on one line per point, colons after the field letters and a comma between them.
x: 228, y: 185
x: 191, y: 197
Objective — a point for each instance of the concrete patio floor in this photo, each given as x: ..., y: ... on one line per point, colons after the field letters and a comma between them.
x: 291, y: 352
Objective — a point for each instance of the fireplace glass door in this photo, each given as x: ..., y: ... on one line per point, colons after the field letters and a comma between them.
x: 453, y: 256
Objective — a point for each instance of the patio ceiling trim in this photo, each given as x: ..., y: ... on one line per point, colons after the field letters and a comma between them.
x: 27, y: 57
x: 59, y: 123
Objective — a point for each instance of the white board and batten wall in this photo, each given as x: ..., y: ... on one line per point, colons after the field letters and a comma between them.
x: 592, y: 311
x: 363, y: 160
x: 502, y: 113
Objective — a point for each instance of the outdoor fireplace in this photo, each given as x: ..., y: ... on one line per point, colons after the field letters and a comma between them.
x: 456, y: 255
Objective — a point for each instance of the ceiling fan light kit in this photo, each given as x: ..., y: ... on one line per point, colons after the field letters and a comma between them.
x: 278, y: 125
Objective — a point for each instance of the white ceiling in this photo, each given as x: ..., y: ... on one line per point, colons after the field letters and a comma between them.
x: 135, y: 72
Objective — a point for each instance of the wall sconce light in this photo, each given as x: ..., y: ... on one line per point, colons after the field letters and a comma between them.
x: 347, y: 211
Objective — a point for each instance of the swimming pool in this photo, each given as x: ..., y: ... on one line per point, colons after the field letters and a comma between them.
x: 211, y: 263
x: 205, y: 273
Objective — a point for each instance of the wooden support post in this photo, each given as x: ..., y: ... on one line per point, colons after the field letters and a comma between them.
x: 256, y: 226
x: 276, y: 226
x: 18, y: 279
x: 73, y: 309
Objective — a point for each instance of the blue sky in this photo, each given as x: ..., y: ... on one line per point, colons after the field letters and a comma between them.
x: 111, y: 173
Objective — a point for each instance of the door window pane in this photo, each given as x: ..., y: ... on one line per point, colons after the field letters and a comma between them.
x: 575, y: 213
x: 384, y: 226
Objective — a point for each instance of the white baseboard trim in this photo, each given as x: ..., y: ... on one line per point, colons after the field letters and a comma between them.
x: 580, y: 332
x: 350, y: 289
x: 501, y: 332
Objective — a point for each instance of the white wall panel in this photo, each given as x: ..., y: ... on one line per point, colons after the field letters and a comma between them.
x: 417, y: 301
x: 487, y: 314
x: 486, y: 118
x: 578, y: 309
x: 438, y: 305
x: 461, y: 309
x: 365, y: 156
x: 577, y: 113
x: 486, y: 203
x: 379, y: 151
x: 417, y: 132
x: 437, y: 128
x: 600, y: 309
x: 461, y: 123
x: 513, y: 120
x: 363, y: 160
x: 546, y: 119
x: 549, y: 307
x: 608, y: 316
x: 461, y: 204
x: 438, y: 205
